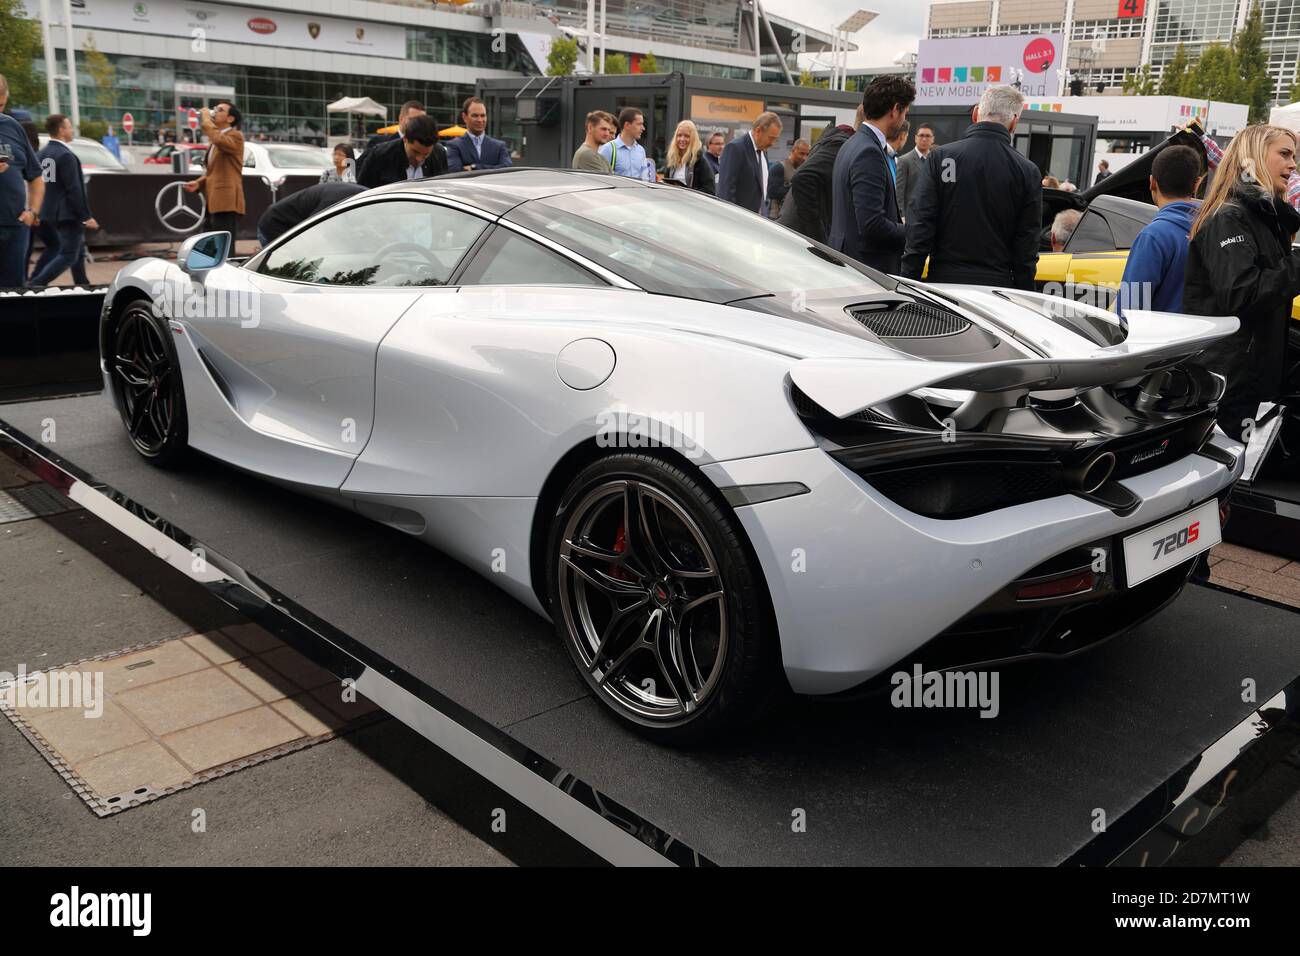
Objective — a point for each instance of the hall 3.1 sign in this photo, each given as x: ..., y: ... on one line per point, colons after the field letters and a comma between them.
x: 958, y: 71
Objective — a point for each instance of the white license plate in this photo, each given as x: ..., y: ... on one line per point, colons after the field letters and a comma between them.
x: 1171, y: 542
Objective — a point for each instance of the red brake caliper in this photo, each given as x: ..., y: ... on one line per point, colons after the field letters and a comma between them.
x: 620, y: 545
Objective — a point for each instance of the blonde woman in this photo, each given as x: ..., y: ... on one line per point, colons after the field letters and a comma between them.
x: 686, y: 163
x: 1241, y: 263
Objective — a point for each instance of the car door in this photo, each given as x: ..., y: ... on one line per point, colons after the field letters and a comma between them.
x: 297, y: 360
x: 457, y: 389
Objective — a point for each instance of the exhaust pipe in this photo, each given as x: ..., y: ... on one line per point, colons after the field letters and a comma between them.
x: 1095, y: 473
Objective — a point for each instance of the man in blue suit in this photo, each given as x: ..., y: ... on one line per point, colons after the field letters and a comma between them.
x: 743, y: 171
x: 65, y: 216
x: 476, y: 150
x: 865, y: 223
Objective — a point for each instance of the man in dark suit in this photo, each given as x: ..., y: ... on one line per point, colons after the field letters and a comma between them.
x: 409, y: 108
x: 65, y: 216
x: 865, y: 223
x: 300, y: 206
x: 417, y: 154
x: 742, y: 171
x: 977, y: 210
x: 807, y: 206
x: 476, y: 149
x: 910, y: 166
x: 713, y: 152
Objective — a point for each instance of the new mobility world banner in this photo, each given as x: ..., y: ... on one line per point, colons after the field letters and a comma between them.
x: 957, y: 71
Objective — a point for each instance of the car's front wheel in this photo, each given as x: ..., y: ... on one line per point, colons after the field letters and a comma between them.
x: 659, y: 602
x: 146, y: 380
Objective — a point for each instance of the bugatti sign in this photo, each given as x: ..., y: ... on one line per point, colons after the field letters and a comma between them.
x: 957, y: 71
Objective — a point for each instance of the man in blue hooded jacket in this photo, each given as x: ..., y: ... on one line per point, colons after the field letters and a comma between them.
x: 1153, y: 275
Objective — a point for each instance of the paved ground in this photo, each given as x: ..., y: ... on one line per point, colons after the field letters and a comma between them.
x: 1263, y: 575
x: 346, y: 801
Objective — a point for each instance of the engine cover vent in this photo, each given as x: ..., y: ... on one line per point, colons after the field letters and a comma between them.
x: 914, y: 320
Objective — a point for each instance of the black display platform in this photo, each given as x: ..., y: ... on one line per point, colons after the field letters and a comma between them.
x: 1133, y: 724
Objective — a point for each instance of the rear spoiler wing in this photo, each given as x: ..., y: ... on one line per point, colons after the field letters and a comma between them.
x: 845, y: 386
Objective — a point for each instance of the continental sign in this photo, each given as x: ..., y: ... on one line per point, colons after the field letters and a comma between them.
x: 722, y: 109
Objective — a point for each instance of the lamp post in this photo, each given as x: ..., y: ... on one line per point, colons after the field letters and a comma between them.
x: 840, y: 45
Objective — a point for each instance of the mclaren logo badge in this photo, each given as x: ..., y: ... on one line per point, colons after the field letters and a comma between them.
x: 1148, y: 453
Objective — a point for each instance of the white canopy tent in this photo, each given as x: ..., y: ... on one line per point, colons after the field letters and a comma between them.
x: 1288, y: 116
x: 358, y: 106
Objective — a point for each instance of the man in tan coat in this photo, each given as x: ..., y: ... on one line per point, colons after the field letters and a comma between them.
x: 223, y: 181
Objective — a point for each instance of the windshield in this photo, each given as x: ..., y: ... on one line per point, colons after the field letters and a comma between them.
x: 285, y: 158
x: 679, y: 242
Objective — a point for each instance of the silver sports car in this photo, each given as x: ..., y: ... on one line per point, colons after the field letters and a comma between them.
x: 724, y: 460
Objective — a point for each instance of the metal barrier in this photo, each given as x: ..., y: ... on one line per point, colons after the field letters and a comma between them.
x: 154, y: 207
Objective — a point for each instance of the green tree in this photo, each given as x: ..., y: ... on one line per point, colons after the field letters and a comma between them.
x: 1255, y: 86
x: 563, y: 56
x: 1140, y: 82
x: 20, y: 49
x: 1214, y: 77
x: 93, y: 128
x: 649, y: 64
x: 1174, y: 76
x: 100, y: 70
x: 616, y: 64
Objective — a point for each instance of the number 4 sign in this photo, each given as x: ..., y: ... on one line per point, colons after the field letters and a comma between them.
x: 1131, y: 8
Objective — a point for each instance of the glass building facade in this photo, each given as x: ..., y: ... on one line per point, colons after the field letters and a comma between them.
x: 708, y: 23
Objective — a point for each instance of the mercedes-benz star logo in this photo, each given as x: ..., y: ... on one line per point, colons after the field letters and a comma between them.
x: 175, y: 207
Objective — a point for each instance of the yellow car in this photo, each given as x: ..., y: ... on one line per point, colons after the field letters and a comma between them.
x: 1115, y: 210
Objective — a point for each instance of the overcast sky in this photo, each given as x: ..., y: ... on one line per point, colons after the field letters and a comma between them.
x: 898, y: 27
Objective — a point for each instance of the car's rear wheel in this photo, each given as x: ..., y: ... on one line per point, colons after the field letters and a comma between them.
x: 147, y: 386
x: 659, y: 602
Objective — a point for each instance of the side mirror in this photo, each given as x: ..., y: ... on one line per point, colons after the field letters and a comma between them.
x: 204, y: 252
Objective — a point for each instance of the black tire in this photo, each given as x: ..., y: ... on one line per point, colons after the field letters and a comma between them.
x: 712, y: 624
x: 147, y: 388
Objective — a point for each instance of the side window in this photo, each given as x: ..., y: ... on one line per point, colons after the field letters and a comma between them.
x: 249, y: 159
x: 1125, y: 229
x: 1091, y: 235
x: 510, y: 259
x: 394, y: 243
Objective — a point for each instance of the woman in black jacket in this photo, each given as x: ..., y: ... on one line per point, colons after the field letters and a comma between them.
x: 1241, y: 263
x: 686, y: 163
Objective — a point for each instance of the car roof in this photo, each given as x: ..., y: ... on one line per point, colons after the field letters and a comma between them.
x: 1125, y: 207
x: 497, y: 191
